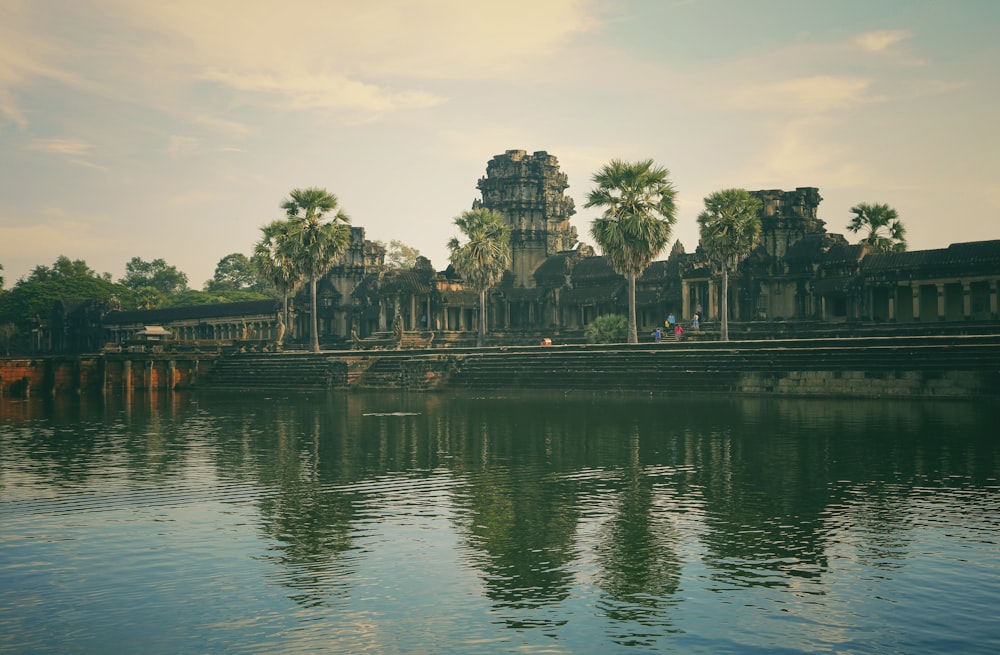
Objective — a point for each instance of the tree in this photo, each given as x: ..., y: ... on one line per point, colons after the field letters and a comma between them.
x: 157, y: 275
x: 234, y: 272
x: 730, y: 229
x: 273, y: 261
x: 639, y: 213
x: 608, y: 328
x: 398, y: 255
x: 484, y: 257
x: 313, y: 245
x: 874, y: 218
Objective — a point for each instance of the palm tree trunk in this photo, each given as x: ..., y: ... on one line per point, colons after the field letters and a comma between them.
x: 481, y: 340
x: 314, y: 347
x: 633, y: 331
x: 724, y: 334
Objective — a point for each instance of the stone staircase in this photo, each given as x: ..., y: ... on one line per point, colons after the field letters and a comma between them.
x: 302, y: 371
x: 925, y: 366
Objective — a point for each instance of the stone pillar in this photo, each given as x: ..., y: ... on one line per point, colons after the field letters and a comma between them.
x: 685, y: 298
x: 994, y: 292
x: 712, y: 307
x: 892, y: 305
x: 171, y: 374
x: 966, y: 300
x: 915, y: 292
x: 940, y: 301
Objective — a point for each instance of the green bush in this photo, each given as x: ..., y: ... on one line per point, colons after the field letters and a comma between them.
x: 609, y: 328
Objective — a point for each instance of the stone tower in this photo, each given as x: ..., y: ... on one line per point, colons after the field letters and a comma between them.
x: 787, y: 216
x: 530, y: 192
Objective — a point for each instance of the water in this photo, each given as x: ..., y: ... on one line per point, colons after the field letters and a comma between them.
x: 411, y: 523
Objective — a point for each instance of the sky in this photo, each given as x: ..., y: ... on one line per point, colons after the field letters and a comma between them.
x: 175, y: 129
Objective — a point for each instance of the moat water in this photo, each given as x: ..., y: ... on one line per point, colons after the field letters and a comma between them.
x: 521, y: 523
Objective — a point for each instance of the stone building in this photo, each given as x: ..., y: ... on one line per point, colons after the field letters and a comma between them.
x: 799, y: 274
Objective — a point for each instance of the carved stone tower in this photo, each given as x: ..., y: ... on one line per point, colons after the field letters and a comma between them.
x: 787, y: 216
x: 530, y: 192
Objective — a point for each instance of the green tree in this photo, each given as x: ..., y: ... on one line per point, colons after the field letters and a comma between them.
x: 35, y: 295
x: 885, y: 232
x: 608, y: 328
x: 157, y: 275
x: 314, y: 244
x: 398, y: 255
x: 484, y: 257
x: 730, y: 229
x: 273, y: 262
x: 234, y: 272
x: 639, y: 213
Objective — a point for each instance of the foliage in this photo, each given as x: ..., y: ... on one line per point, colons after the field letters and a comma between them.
x: 192, y: 297
x: 398, y: 255
x: 874, y: 218
x: 156, y: 275
x: 310, y: 245
x: 639, y: 214
x: 234, y: 272
x: 484, y: 257
x: 608, y: 328
x: 35, y: 296
x: 730, y: 229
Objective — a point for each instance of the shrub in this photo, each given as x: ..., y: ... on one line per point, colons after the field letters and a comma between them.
x: 609, y: 328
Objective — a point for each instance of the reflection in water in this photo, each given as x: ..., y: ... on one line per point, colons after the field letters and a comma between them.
x: 512, y: 523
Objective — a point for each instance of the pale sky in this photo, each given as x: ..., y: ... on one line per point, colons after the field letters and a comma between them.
x: 174, y: 129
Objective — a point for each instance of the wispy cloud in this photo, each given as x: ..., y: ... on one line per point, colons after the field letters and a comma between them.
x: 880, y: 40
x: 814, y: 94
x: 61, y: 146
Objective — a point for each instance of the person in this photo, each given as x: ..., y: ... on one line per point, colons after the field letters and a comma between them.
x: 657, y: 335
x: 678, y: 332
x: 545, y: 342
x: 671, y: 321
x: 696, y: 322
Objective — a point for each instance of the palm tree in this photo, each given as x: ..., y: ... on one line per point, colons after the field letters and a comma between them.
x: 730, y: 229
x: 874, y: 218
x: 639, y: 213
x: 314, y: 244
x: 484, y: 258
x: 273, y: 261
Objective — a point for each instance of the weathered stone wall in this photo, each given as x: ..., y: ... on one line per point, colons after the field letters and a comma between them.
x: 93, y: 373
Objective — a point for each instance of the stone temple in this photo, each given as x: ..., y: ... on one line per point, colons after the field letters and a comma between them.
x: 801, y: 280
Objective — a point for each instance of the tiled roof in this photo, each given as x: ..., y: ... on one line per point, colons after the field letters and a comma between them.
x: 215, y: 310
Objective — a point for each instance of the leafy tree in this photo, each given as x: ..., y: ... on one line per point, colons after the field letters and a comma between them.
x: 730, y: 229
x: 876, y: 218
x: 234, y: 272
x: 639, y: 213
x: 608, y: 328
x: 484, y: 257
x: 157, y: 274
x: 190, y: 297
x: 7, y: 333
x: 273, y: 262
x: 1, y: 278
x: 312, y: 243
x: 35, y: 295
x: 398, y: 255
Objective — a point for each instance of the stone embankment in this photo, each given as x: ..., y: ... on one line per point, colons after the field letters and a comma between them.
x: 953, y: 366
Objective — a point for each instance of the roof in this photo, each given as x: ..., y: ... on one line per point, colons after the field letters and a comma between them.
x: 957, y: 259
x: 194, y: 312
x: 592, y: 294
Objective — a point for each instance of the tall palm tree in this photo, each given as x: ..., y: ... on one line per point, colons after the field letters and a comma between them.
x: 273, y: 261
x: 730, y: 229
x: 874, y: 218
x: 639, y: 213
x: 315, y: 244
x: 483, y: 259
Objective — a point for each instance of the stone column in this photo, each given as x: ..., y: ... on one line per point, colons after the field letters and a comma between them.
x: 892, y: 305
x: 966, y: 300
x: 712, y: 306
x: 994, y: 292
x: 915, y: 292
x: 940, y: 301
x: 685, y: 298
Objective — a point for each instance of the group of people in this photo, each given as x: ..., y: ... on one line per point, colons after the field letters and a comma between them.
x: 674, y: 329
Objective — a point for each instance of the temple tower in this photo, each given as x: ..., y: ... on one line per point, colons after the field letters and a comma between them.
x: 787, y: 216
x: 530, y: 192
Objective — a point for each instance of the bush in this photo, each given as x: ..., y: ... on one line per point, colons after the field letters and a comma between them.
x: 609, y: 328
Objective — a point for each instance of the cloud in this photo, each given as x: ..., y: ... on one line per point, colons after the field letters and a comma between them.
x: 65, y: 146
x: 180, y: 146
x: 814, y: 94
x: 805, y: 150
x: 880, y: 40
x: 344, y: 57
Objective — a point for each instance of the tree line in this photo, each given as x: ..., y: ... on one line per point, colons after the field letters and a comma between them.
x: 638, y: 206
